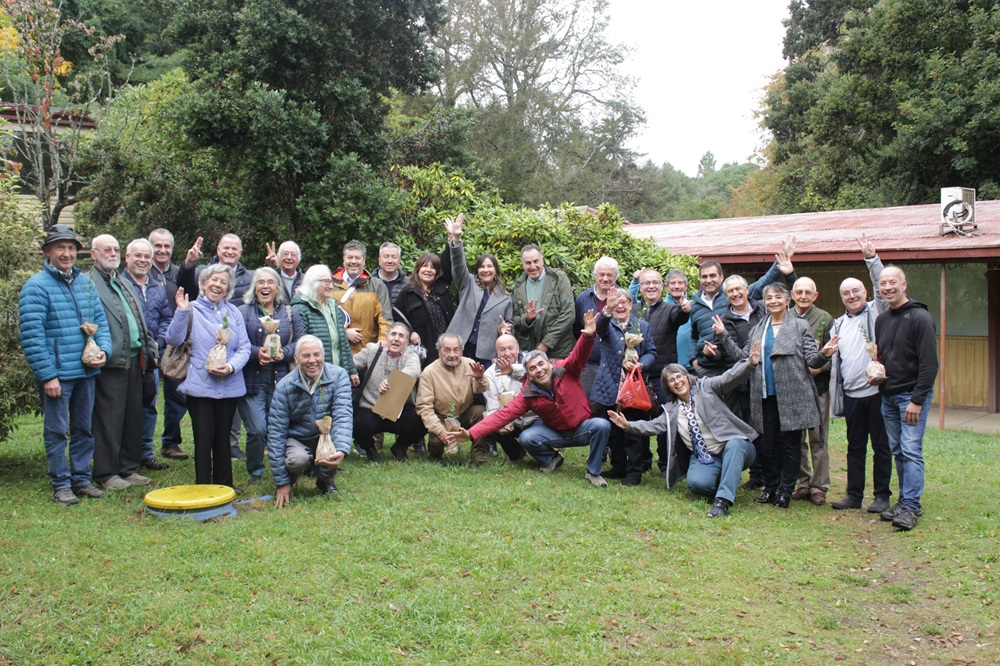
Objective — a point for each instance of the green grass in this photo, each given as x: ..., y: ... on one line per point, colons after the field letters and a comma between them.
x: 421, y: 563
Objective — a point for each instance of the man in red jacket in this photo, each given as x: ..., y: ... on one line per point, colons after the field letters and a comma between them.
x: 554, y: 393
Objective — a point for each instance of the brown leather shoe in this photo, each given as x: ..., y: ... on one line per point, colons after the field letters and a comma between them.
x: 801, y: 494
x: 173, y: 453
x: 817, y: 497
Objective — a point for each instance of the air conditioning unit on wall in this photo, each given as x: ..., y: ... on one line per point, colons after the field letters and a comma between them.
x: 958, y: 211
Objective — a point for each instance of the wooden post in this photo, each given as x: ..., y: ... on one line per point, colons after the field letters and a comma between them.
x: 993, y: 317
x: 942, y: 373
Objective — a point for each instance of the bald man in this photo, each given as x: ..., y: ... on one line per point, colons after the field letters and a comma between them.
x: 814, y: 479
x: 908, y: 350
x: 505, y: 379
x: 853, y: 396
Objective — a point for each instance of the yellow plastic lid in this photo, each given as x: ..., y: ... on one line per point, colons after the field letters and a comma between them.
x: 189, y: 497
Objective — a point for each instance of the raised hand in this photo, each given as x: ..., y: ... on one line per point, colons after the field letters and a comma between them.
x: 867, y: 247
x: 755, y: 353
x: 272, y: 255
x: 710, y: 349
x: 454, y: 226
x: 788, y: 246
x: 194, y: 255
x: 505, y: 327
x: 182, y: 300
x: 831, y: 347
x: 531, y: 309
x: 504, y: 367
x: 685, y: 304
x: 476, y: 370
x: 718, y: 325
x: 589, y: 323
x: 638, y: 272
x: 784, y: 262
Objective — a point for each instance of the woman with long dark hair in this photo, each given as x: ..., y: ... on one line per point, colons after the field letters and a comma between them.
x: 424, y: 304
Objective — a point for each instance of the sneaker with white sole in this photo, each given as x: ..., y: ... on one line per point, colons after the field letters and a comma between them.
x: 596, y: 480
x: 138, y: 479
x: 552, y: 465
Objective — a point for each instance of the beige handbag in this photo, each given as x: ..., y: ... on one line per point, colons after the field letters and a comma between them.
x: 174, y: 364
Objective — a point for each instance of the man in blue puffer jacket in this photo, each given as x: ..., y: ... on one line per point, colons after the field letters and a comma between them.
x: 53, y: 304
x: 310, y: 392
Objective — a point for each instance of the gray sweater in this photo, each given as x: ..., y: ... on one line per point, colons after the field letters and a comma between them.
x: 408, y: 362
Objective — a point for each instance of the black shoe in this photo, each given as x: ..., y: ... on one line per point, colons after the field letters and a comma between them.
x: 782, y: 501
x: 879, y: 505
x: 373, y: 455
x: 237, y: 454
x: 326, y: 487
x: 420, y: 449
x: 766, y: 497
x: 906, y: 519
x: 753, y: 484
x: 847, y: 503
x: 631, y: 480
x: 153, y: 463
x: 613, y: 473
x: 663, y: 473
x: 720, y: 508
x: 399, y: 452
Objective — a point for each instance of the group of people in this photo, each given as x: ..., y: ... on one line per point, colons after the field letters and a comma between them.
x: 739, y: 376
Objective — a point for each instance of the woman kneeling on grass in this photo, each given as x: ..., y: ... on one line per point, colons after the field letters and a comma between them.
x: 696, y: 412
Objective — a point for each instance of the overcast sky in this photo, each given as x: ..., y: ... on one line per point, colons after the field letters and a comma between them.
x: 701, y: 66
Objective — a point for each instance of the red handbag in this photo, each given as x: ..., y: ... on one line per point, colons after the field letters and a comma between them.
x: 633, y: 393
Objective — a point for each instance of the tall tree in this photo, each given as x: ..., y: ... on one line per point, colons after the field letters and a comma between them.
x: 555, y: 116
x: 883, y: 103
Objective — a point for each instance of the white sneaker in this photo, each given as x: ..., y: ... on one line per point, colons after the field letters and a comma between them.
x: 137, y: 480
x: 596, y: 480
x: 115, y: 483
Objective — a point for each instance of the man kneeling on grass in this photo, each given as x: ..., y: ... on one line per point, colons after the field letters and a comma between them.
x: 309, y: 393
x: 554, y: 393
x: 696, y: 412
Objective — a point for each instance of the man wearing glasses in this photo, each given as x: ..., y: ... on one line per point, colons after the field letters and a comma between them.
x: 852, y: 396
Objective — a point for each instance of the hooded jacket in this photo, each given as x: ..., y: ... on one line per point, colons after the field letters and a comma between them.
x: 908, y: 350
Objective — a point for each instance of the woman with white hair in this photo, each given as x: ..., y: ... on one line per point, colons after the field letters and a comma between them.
x: 212, y: 393
x: 265, y: 299
x: 322, y: 316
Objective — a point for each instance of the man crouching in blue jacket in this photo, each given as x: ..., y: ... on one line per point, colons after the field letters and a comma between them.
x: 53, y: 304
x: 313, y: 390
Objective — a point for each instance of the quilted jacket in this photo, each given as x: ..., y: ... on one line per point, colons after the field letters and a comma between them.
x: 52, y: 309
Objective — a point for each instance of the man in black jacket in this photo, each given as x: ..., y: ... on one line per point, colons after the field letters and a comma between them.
x: 908, y: 350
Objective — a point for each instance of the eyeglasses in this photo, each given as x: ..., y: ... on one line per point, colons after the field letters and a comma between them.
x: 651, y: 283
x: 325, y: 280
x: 676, y: 380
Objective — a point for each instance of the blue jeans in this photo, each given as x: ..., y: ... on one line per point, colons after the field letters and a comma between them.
x: 539, y: 440
x: 720, y: 477
x: 71, y: 411
x: 254, y: 409
x: 174, y: 408
x: 906, y: 444
x: 149, y: 420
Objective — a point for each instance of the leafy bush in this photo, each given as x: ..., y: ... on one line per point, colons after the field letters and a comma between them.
x: 19, y: 237
x: 571, y: 238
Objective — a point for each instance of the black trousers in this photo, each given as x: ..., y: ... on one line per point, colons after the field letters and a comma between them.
x: 864, y: 420
x: 117, y: 422
x: 781, y: 451
x: 627, y: 452
x: 211, y: 421
x: 408, y: 428
x: 509, y: 442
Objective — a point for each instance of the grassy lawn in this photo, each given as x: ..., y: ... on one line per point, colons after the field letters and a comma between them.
x: 422, y: 563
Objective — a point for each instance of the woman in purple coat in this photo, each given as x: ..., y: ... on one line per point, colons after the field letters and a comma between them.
x: 212, y: 394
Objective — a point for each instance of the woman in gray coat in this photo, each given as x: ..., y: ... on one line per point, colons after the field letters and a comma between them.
x: 485, y: 310
x: 717, y: 444
x: 783, y: 397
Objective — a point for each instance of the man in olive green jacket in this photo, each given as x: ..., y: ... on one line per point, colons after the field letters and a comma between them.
x: 544, y: 306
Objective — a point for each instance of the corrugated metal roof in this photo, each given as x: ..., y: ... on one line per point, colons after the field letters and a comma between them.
x: 904, y: 233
